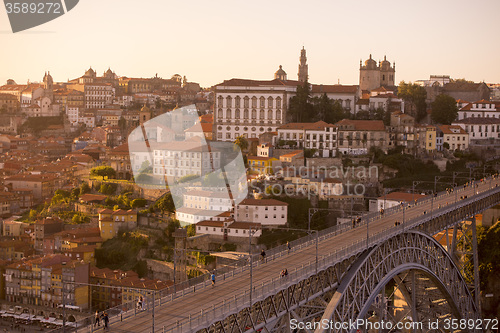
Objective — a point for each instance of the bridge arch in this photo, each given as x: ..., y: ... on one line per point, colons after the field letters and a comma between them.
x: 411, y: 251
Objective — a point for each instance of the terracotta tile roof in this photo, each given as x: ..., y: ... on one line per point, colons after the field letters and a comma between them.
x: 315, y: 88
x: 262, y: 202
x: 363, y: 125
x: 293, y: 153
x: 448, y: 129
x: 478, y: 121
x: 467, y: 107
x: 244, y: 225
x: 208, y: 223
x: 483, y: 101
x: 261, y: 158
x: 317, y: 126
x: 92, y: 197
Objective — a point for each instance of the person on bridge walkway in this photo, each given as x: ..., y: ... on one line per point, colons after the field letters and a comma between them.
x: 263, y: 255
x: 288, y: 247
x: 97, y: 321
x: 213, y: 279
x: 105, y: 319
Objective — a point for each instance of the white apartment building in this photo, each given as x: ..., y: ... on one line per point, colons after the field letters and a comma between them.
x: 183, y: 158
x: 73, y: 114
x: 319, y: 135
x: 251, y: 108
x: 98, y: 95
x: 264, y: 211
x: 481, y: 109
x: 228, y: 229
x: 455, y: 136
x: 209, y: 200
x: 480, y: 128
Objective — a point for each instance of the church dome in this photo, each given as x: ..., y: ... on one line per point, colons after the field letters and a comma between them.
x: 385, y: 65
x: 280, y: 71
x: 370, y: 63
x: 280, y: 74
x: 90, y: 72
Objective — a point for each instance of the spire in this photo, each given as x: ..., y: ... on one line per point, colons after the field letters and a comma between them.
x: 303, y: 67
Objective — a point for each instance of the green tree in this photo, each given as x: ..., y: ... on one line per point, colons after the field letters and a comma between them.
x: 241, y: 142
x: 107, y: 188
x: 191, y: 230
x: 103, y: 171
x: 444, y: 109
x: 446, y: 145
x: 84, y: 188
x: 301, y: 109
x: 166, y: 203
x: 415, y: 96
x: 137, y: 203
x: 75, y: 193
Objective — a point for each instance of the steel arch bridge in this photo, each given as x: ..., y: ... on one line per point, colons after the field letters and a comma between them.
x: 332, y: 296
x: 398, y: 273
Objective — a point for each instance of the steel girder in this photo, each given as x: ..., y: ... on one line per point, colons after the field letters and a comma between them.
x: 409, y: 251
x: 347, y: 290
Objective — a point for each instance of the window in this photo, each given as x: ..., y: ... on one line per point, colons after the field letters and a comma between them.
x: 237, y: 101
x: 270, y: 102
x: 262, y: 102
x: 278, y: 103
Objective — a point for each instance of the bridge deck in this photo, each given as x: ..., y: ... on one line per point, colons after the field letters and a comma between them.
x: 168, y: 314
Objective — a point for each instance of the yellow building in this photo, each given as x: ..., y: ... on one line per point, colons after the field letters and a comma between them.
x: 430, y: 138
x: 261, y: 165
x: 111, y: 222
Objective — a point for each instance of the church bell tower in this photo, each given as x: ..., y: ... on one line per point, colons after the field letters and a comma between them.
x: 303, y: 76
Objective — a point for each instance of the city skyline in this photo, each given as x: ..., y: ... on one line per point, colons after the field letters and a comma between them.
x: 211, y: 43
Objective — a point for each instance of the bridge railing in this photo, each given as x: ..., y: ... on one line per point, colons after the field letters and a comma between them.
x: 238, y: 302
x: 233, y: 305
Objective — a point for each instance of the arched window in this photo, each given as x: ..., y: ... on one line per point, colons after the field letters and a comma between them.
x: 270, y: 114
x: 228, y: 114
x: 221, y: 102
x: 237, y: 114
x: 245, y: 114
x: 246, y: 101
x: 278, y: 103
x: 254, y: 102
x: 220, y: 113
x: 262, y: 102
x: 270, y: 102
x: 237, y: 102
x: 278, y: 114
x: 254, y: 114
x: 262, y: 114
x: 229, y: 102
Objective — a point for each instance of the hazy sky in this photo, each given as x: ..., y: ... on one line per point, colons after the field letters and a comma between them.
x: 210, y: 41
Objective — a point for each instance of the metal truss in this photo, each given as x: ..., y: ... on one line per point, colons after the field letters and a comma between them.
x: 413, y: 263
x: 347, y: 290
x: 409, y: 252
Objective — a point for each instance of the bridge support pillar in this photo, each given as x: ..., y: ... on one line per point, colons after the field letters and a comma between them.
x: 464, y: 251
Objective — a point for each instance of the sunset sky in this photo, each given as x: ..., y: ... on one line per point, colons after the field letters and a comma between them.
x: 210, y: 41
